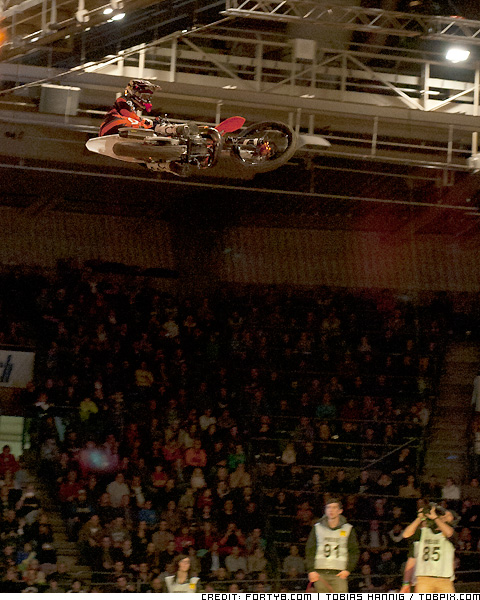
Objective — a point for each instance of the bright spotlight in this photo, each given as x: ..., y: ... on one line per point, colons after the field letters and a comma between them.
x: 118, y: 16
x: 108, y: 10
x: 456, y: 55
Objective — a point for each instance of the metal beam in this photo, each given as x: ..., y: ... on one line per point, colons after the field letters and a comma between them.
x: 15, y: 46
x: 19, y: 8
x: 357, y: 18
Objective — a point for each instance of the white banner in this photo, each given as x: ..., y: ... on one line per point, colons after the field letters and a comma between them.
x: 16, y: 368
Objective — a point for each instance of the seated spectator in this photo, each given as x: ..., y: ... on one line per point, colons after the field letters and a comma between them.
x: 230, y: 537
x: 207, y: 419
x: 350, y: 449
x: 326, y: 409
x: 307, y: 454
x: 196, y: 456
x: 256, y: 562
x: 118, y: 532
x: 163, y: 558
x: 364, y: 485
x: 365, y: 584
x: 410, y: 489
x: 184, y: 540
x: 159, y: 477
x: 450, y: 491
x: 472, y: 491
x: 137, y: 493
x: 220, y: 579
x: 11, y: 582
x: 315, y: 485
x: 385, y: 486
x: 351, y: 411
x: 148, y: 514
x: 293, y: 561
x: 21, y: 476
x: 371, y: 447
x: 69, y: 488
x: 396, y: 533
x: 303, y: 521
x: 250, y: 517
x: 79, y: 513
x: 235, y: 561
x: 197, y: 480
x: 236, y: 457
x: 431, y: 489
x: 211, y: 561
x: 340, y: 484
x: 289, y: 455
x: 387, y: 565
x: 105, y: 510
x: 156, y: 586
x: 255, y: 539
x: 374, y: 537
x: 76, y: 587
x: 469, y: 514
x: 7, y: 462
x: 28, y: 506
x: 117, y: 489
x: 240, y: 478
x: 90, y: 535
x: 293, y: 582
x: 403, y: 464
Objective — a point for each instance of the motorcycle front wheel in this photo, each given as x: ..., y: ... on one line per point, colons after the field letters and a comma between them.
x: 264, y: 146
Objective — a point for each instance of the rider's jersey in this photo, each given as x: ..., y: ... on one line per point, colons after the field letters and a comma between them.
x: 121, y: 115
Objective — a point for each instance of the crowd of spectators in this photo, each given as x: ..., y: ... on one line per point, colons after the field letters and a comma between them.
x: 216, y: 427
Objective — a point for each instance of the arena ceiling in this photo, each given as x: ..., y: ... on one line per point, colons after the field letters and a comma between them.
x: 374, y: 81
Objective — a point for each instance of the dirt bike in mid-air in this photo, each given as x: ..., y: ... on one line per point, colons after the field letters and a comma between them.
x: 259, y: 148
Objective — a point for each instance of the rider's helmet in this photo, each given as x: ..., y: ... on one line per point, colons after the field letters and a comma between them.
x: 139, y: 93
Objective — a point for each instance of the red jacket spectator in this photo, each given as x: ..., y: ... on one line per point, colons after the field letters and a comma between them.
x: 7, y: 461
x: 69, y: 489
x: 196, y: 456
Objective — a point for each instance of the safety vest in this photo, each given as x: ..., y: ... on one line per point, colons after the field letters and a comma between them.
x: 189, y: 587
x: 436, y: 555
x: 332, y: 547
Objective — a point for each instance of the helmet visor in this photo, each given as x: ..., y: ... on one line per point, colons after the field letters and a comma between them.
x: 145, y: 101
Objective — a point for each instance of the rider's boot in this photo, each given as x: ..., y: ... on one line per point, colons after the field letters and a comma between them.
x: 182, y: 170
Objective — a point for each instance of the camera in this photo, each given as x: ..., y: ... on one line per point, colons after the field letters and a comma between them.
x: 438, y: 509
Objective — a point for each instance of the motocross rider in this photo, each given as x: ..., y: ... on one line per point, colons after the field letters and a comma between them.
x: 127, y: 110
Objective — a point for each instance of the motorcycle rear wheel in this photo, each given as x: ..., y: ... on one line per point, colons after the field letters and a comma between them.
x: 276, y: 144
x: 149, y: 152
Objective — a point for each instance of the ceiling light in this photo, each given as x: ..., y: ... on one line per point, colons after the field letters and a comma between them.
x: 35, y: 39
x: 108, y: 10
x: 307, y: 96
x: 118, y: 16
x: 229, y: 87
x: 456, y: 54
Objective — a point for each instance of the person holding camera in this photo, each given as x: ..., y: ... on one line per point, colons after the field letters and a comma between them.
x: 435, y: 554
